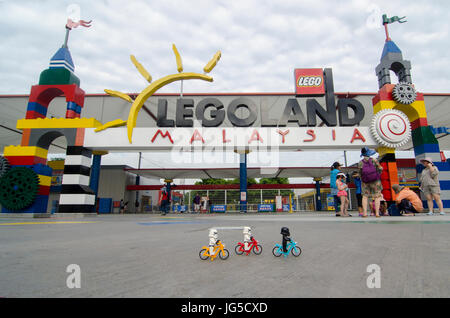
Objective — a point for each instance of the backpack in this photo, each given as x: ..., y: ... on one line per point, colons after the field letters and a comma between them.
x: 394, y: 211
x: 369, y: 172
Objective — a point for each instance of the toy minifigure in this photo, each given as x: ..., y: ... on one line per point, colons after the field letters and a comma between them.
x: 247, y: 236
x: 213, y: 237
x: 286, y: 237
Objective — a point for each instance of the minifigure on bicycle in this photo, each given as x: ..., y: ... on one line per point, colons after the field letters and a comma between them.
x: 215, y: 248
x: 249, y: 244
x: 285, y: 248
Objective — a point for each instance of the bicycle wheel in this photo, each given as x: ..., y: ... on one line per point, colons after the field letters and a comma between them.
x: 277, y: 251
x: 203, y: 254
x: 224, y: 254
x: 296, y: 251
x: 257, y: 249
x: 238, y: 250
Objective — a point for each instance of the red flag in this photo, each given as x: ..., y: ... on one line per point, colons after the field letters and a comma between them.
x: 70, y: 24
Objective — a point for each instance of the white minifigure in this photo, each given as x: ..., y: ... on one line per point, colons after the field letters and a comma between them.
x: 247, y: 236
x: 213, y: 237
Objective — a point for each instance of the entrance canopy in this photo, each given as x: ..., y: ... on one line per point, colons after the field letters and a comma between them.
x: 231, y: 173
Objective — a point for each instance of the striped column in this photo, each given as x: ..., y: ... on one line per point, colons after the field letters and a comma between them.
x: 76, y: 195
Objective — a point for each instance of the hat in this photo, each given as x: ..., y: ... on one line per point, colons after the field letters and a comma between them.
x: 397, y: 188
x: 426, y: 159
x: 366, y: 152
x: 341, y: 174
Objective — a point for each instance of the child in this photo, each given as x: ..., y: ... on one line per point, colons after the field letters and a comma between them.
x: 357, y: 182
x: 342, y: 193
x: 286, y: 237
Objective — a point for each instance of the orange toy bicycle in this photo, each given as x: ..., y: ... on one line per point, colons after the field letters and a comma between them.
x: 215, y: 247
x: 219, y: 249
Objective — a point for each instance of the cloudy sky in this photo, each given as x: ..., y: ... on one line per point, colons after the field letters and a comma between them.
x: 261, y: 43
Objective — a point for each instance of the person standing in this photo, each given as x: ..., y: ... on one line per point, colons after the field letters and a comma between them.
x: 370, y: 171
x: 342, y: 193
x: 357, y: 181
x: 164, y: 201
x: 196, y: 202
x: 333, y: 188
x: 429, y: 184
x: 122, y: 206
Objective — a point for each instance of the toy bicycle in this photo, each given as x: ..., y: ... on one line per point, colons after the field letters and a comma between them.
x: 219, y: 250
x: 291, y: 247
x: 253, y: 245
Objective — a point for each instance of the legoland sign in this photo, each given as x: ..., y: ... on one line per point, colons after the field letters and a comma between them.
x: 244, y: 122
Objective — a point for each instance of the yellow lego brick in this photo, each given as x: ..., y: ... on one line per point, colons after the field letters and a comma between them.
x: 384, y: 150
x: 100, y: 152
x: 56, y: 164
x: 45, y: 180
x: 58, y: 123
x: 383, y: 104
x: 11, y: 151
x: 414, y: 111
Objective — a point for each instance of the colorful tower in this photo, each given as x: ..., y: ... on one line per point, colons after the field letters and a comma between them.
x: 38, y: 133
x: 403, y: 97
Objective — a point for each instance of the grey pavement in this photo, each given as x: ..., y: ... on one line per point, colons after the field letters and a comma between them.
x: 157, y: 256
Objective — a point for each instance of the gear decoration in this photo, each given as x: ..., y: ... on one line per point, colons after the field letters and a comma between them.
x: 4, y: 166
x: 404, y: 93
x: 18, y: 188
x: 391, y: 128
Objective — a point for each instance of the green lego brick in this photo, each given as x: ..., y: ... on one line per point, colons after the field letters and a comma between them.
x: 423, y: 135
x: 58, y: 76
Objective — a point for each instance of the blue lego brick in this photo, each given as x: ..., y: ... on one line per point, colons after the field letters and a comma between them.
x: 39, y: 169
x: 33, y: 106
x: 39, y: 206
x: 73, y: 106
x: 426, y: 148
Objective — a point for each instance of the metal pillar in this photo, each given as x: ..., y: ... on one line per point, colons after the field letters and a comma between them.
x: 95, y: 174
x: 317, y: 196
x: 243, y: 181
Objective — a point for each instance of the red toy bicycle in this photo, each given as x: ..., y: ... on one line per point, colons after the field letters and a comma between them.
x: 252, y: 245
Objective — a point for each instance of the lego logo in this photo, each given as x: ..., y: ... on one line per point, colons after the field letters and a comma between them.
x: 309, y: 81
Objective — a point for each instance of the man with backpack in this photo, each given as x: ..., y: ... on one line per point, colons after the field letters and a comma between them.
x: 370, y: 172
x: 164, y: 201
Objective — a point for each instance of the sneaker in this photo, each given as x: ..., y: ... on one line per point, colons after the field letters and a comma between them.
x: 442, y: 213
x: 430, y: 213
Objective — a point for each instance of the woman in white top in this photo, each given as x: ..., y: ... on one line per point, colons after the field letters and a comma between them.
x: 429, y: 184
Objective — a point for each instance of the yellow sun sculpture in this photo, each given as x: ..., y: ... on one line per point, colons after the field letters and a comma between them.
x: 152, y: 88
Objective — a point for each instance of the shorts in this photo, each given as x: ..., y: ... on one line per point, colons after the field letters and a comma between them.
x: 372, y: 190
x: 342, y: 193
x: 359, y: 200
x: 431, y: 189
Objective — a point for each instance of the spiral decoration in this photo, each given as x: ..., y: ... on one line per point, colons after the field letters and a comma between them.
x: 391, y: 128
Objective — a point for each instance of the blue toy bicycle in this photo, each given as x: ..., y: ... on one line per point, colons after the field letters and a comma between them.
x: 291, y: 247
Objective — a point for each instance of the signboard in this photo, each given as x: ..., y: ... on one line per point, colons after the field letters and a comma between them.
x: 230, y: 138
x: 279, y: 203
x: 309, y: 82
x: 265, y: 207
x: 218, y: 208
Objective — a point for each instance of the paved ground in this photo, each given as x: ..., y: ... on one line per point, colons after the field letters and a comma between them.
x: 155, y: 256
